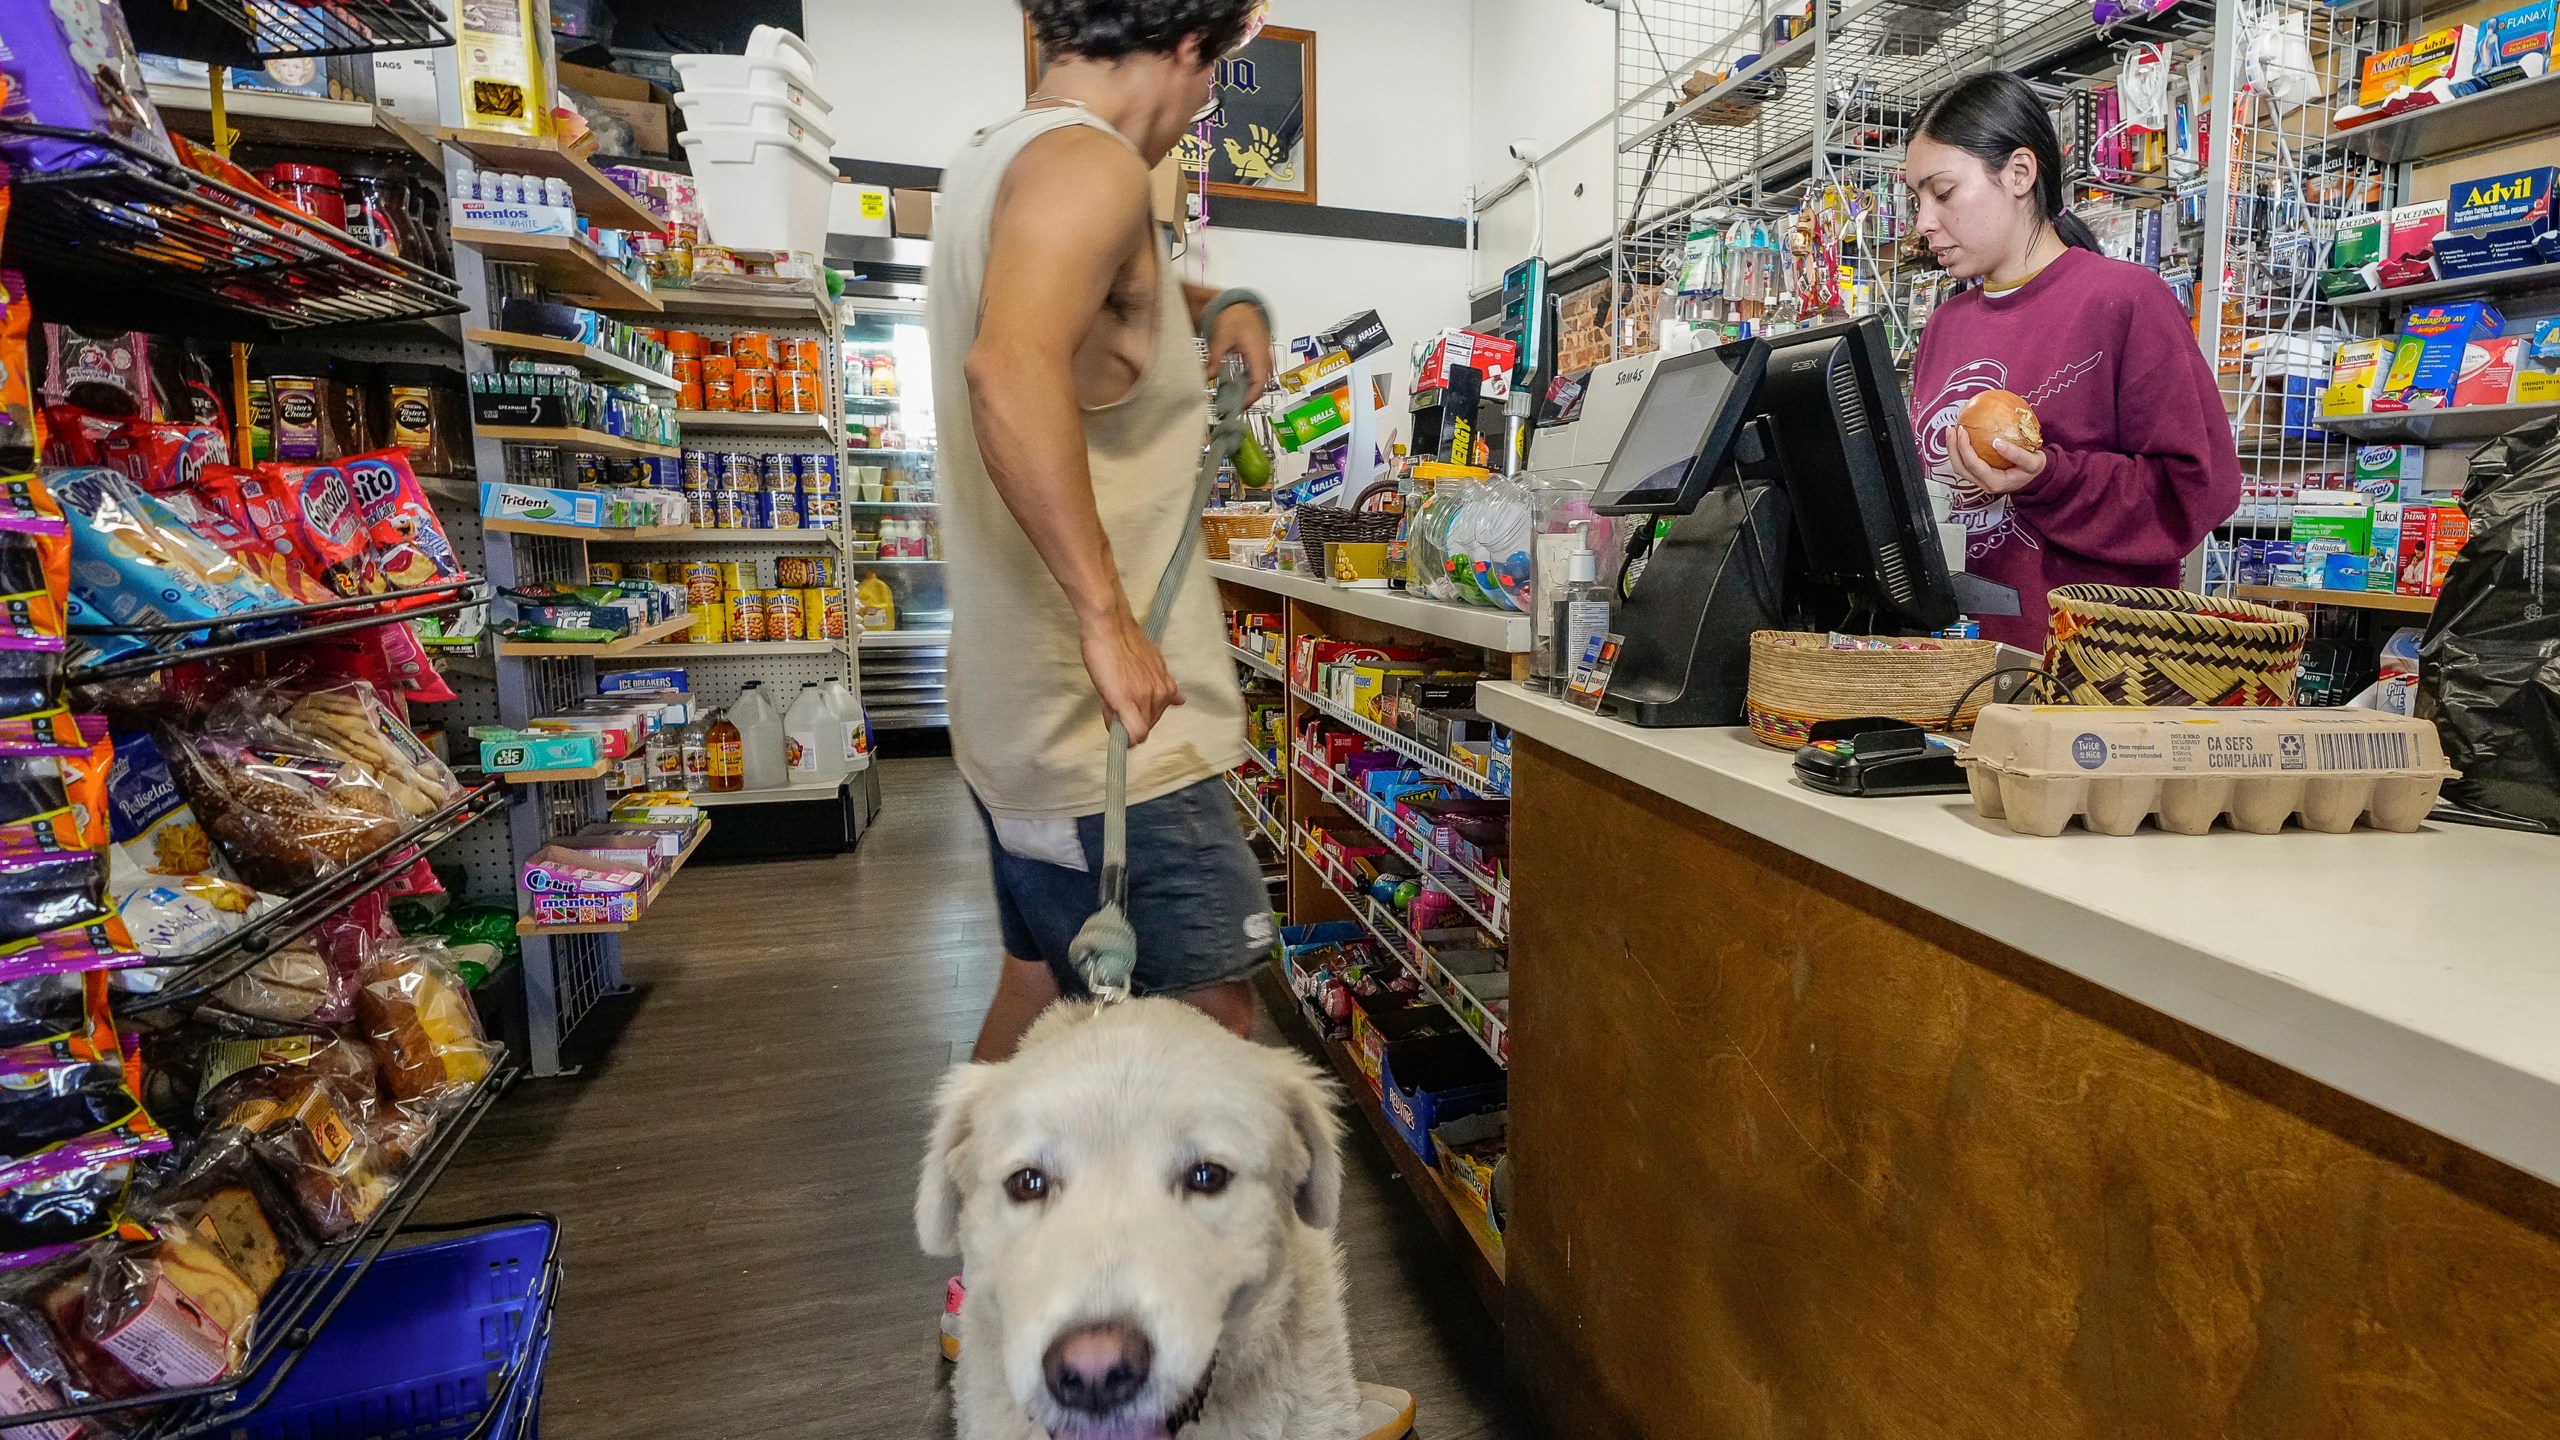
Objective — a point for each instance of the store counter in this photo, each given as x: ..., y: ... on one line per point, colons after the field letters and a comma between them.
x: 1875, y: 1117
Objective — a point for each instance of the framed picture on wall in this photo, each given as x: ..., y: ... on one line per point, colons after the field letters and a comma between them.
x: 1259, y: 141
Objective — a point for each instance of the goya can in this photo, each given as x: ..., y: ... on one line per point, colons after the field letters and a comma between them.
x: 817, y: 475
x: 746, y: 615
x: 782, y: 615
x: 741, y: 471
x: 780, y: 472
x: 728, y: 510
x: 784, y: 506
x: 698, y: 470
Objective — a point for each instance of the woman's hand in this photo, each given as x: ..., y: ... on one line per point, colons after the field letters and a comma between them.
x: 2023, y: 467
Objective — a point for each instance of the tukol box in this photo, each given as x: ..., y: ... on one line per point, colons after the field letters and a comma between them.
x: 2488, y: 375
x: 2499, y: 222
x: 2382, y: 569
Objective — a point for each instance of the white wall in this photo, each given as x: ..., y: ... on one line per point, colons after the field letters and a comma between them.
x: 1542, y: 70
x: 911, y: 79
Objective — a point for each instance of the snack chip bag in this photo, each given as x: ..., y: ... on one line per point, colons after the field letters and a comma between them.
x: 161, y: 455
x: 74, y: 437
x: 409, y: 544
x: 20, y: 436
x: 150, y: 822
x: 105, y: 371
x: 35, y: 567
x: 309, y: 512
x: 49, y: 805
x: 224, y: 491
x: 135, y: 563
x: 74, y: 949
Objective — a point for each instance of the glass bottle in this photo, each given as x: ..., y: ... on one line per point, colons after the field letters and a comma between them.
x: 725, y: 756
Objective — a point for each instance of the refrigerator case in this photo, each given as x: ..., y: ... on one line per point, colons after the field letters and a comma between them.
x: 892, y: 515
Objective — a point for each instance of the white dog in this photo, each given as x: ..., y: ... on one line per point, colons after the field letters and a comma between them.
x: 1144, y: 1205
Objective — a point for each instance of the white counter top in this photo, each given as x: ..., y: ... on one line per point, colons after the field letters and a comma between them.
x: 1504, y: 630
x: 2419, y: 973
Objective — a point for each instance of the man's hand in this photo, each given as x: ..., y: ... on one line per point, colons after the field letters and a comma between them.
x: 2024, y: 465
x: 1241, y: 330
x: 1128, y: 670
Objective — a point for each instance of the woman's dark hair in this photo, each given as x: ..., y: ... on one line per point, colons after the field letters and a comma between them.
x: 1993, y: 116
x: 1110, y: 29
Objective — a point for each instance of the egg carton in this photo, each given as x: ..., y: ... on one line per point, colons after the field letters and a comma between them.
x: 2038, y: 766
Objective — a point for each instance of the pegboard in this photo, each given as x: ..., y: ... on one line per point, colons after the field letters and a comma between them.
x: 716, y: 684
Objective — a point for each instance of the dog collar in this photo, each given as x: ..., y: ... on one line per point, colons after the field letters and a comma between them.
x: 1190, y: 1409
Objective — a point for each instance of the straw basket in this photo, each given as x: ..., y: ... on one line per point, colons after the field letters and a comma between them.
x: 2124, y: 645
x: 1797, y: 680
x: 1218, y: 527
x: 1322, y: 525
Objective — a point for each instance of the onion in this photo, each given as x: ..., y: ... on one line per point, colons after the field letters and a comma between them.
x: 1999, y: 415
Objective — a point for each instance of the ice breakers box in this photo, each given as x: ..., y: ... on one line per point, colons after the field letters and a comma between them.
x: 2037, y: 766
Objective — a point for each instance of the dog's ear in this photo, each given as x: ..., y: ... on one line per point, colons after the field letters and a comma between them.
x: 938, y: 1187
x: 1309, y: 1103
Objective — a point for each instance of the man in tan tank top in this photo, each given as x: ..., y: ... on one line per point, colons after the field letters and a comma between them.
x: 1072, y: 411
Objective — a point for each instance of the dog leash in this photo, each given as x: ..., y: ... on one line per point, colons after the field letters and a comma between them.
x: 1105, y: 950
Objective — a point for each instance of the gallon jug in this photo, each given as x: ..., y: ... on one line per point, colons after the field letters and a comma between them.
x: 852, y: 735
x: 874, y: 607
x: 760, y: 737
x: 811, y: 740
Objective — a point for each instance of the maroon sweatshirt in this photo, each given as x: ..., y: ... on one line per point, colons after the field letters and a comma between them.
x: 2139, y: 464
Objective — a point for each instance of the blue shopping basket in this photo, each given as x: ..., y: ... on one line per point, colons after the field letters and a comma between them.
x: 441, y: 1341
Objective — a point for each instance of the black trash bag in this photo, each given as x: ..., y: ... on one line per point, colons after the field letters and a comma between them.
x: 2490, y: 671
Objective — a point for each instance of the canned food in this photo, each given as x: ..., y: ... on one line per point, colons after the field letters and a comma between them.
x: 728, y: 510
x: 685, y: 368
x: 819, y: 513
x: 795, y: 392
x: 660, y: 472
x: 740, y: 471
x: 702, y: 584
x: 735, y: 575
x: 718, y: 367
x: 781, y: 473
x: 785, y: 505
x: 700, y: 469
x: 591, y: 470
x: 685, y: 342
x: 603, y: 572
x: 752, y: 349
x: 782, y: 615
x: 810, y: 605
x: 755, y: 510
x: 716, y: 395
x: 709, y: 624
x: 831, y: 621
x: 817, y: 475
x: 689, y: 396
x: 801, y: 572
x: 753, y: 389
x: 746, y: 616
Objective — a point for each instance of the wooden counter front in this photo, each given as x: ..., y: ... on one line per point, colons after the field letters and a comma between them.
x: 1794, y: 1158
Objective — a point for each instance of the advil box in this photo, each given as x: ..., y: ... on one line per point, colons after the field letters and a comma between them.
x: 2500, y: 222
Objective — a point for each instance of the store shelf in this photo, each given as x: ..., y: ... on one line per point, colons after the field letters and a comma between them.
x: 860, y: 560
x: 761, y: 422
x: 2348, y: 599
x: 1256, y: 812
x: 854, y: 454
x: 224, y: 638
x: 1256, y: 663
x: 302, y: 122
x: 1429, y: 760
x: 341, y: 27
x: 564, y: 265
x: 783, y: 795
x: 648, y: 898
x: 891, y: 504
x: 2504, y: 113
x: 2458, y: 424
x: 608, y: 205
x: 207, y: 970
x: 136, y: 242
x: 1500, y: 630
x: 594, y: 442
x: 598, y: 361
x: 1484, y: 898
x: 741, y: 649
x: 2529, y: 277
x: 597, y: 771
x: 638, y: 640
x: 904, y: 639
x: 1484, y: 1264
x: 734, y: 305
x: 1382, y: 924
x: 592, y: 534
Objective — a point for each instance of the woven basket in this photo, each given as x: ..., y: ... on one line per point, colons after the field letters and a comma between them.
x: 1218, y: 527
x: 1797, y: 680
x: 1321, y: 525
x: 2123, y: 645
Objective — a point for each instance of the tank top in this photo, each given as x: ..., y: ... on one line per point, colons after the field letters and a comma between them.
x: 1026, y: 723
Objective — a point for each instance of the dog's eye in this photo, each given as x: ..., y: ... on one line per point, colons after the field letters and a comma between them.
x: 1026, y: 1185
x: 1206, y: 1178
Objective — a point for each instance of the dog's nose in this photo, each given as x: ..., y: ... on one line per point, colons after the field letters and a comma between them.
x: 1098, y: 1368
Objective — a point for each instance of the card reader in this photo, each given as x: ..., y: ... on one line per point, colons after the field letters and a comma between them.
x: 1879, y: 756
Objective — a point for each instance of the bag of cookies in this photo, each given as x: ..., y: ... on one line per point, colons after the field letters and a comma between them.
x: 350, y: 722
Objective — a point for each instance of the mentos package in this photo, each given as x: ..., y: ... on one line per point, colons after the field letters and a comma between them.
x: 2502, y: 222
x: 71, y: 63
x: 409, y: 544
x: 2514, y: 45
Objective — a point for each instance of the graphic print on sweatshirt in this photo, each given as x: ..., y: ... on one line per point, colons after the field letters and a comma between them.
x: 1986, y: 518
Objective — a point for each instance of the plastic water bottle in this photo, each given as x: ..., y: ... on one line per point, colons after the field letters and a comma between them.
x: 853, y: 737
x: 760, y: 733
x: 812, y: 740
x: 697, y: 753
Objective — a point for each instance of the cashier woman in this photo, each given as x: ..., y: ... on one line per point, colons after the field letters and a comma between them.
x: 2137, y: 463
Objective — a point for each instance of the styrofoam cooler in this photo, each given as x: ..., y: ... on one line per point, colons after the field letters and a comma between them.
x: 762, y: 189
x: 708, y: 109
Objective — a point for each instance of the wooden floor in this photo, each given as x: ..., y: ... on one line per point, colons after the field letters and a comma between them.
x: 735, y: 1177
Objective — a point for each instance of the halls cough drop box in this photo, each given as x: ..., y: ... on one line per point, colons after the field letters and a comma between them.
x: 2038, y: 766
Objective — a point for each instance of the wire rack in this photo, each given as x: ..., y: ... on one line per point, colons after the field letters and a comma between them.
x: 137, y: 240
x: 278, y: 29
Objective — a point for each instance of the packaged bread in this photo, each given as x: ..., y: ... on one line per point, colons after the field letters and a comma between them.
x: 286, y: 812
x: 293, y: 986
x: 426, y: 1036
x: 351, y: 723
x: 171, y: 1312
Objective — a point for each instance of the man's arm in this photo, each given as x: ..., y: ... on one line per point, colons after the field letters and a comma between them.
x: 1072, y: 207
x: 1242, y: 330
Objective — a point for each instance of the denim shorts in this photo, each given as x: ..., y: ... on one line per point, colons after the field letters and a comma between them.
x: 1196, y: 895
